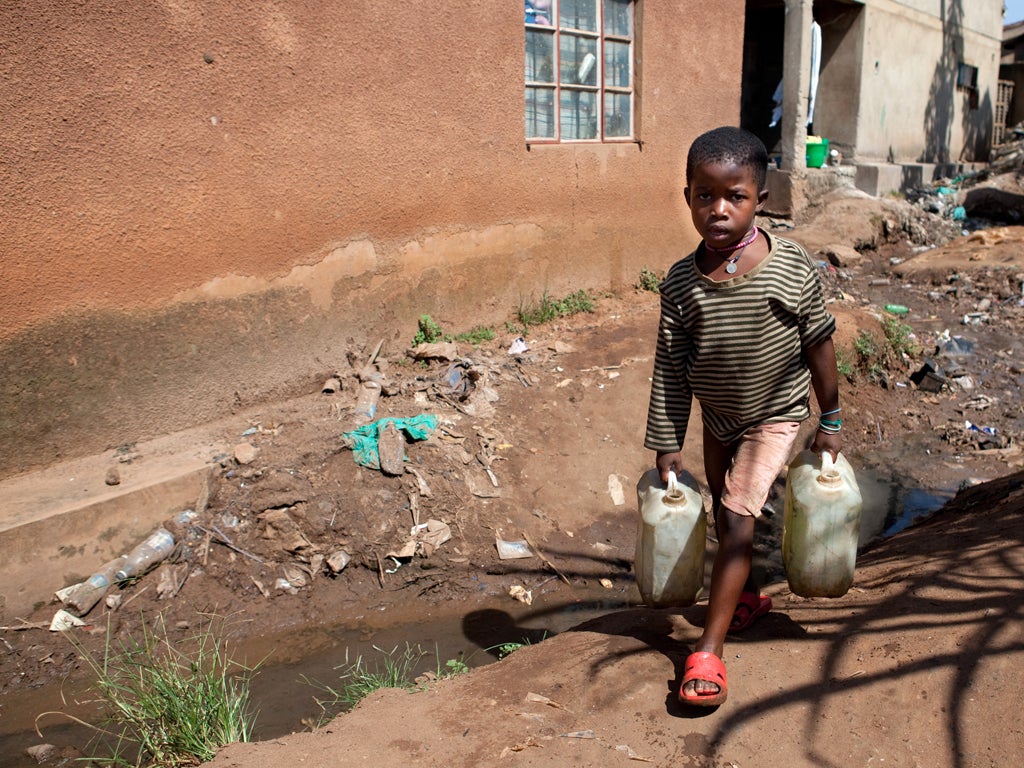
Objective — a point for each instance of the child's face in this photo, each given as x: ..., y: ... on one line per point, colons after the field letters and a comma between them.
x: 723, y: 199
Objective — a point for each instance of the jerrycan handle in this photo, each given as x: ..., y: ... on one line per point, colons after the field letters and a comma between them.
x: 829, y: 474
x: 675, y: 491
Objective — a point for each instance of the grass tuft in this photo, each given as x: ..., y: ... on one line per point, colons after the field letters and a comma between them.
x: 169, y: 703
x: 548, y: 309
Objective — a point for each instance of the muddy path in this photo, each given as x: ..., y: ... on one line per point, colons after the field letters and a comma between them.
x: 309, y: 553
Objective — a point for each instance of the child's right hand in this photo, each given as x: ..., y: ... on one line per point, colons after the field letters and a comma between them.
x: 667, y: 462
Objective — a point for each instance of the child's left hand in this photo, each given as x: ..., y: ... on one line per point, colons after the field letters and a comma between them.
x: 824, y: 441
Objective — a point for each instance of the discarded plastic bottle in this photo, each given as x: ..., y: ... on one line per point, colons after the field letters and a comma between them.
x: 366, y: 405
x: 897, y: 309
x: 670, y: 540
x: 821, y: 525
x: 147, y: 554
x: 85, y: 595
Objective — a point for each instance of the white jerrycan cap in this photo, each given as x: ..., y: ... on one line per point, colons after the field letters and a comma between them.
x: 829, y: 474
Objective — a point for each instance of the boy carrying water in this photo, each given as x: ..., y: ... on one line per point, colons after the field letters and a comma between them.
x: 743, y: 329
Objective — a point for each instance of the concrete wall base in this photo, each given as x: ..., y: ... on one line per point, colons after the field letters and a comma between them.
x: 62, y: 523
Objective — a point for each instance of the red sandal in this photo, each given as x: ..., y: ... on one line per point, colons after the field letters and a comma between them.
x: 750, y: 608
x: 709, y: 668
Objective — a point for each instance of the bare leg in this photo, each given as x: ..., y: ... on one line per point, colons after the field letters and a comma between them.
x: 728, y: 577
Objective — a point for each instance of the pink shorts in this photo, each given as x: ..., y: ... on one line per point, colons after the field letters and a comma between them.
x: 741, y: 474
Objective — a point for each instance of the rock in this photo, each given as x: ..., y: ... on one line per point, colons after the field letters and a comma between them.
x: 246, y: 453
x: 842, y: 255
x: 113, y: 477
x: 337, y: 561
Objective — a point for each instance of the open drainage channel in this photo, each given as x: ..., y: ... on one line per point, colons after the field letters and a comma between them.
x: 297, y: 665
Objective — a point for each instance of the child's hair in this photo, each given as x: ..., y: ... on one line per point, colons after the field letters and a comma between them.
x: 728, y: 144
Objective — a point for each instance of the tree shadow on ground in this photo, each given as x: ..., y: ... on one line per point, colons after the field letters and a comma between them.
x: 959, y: 574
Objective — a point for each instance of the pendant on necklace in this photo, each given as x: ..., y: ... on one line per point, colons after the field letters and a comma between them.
x: 731, y: 267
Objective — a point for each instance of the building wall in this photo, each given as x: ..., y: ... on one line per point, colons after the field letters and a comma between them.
x: 907, y: 44
x: 206, y: 205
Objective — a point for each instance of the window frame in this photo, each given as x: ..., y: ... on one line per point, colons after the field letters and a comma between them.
x: 601, y: 88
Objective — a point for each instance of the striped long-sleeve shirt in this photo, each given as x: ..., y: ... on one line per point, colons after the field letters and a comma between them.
x: 736, y: 345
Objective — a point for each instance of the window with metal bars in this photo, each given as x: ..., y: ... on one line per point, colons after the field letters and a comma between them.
x: 580, y: 70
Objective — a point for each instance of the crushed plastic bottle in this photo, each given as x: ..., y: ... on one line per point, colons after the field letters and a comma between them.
x: 157, y: 547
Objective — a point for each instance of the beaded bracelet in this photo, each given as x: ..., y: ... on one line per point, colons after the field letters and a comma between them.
x: 829, y: 413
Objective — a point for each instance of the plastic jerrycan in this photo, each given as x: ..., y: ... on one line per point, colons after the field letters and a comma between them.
x: 821, y: 525
x: 670, y: 540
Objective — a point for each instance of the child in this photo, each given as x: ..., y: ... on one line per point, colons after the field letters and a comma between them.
x: 744, y: 330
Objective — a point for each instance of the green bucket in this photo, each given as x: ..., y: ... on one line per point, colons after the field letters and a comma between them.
x: 817, y: 151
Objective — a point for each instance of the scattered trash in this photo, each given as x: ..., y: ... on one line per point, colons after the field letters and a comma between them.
x: 929, y: 378
x: 975, y: 428
x: 366, y: 404
x: 975, y: 318
x: 156, y: 548
x: 391, y: 450
x: 364, y: 440
x: 283, y: 585
x: 978, y: 403
x: 522, y: 594
x: 425, y: 539
x: 80, y: 598
x: 897, y: 309
x: 439, y: 350
x: 607, y: 583
x: 588, y: 734
x: 512, y: 550
x: 331, y: 386
x: 954, y: 346
x: 518, y: 346
x: 633, y: 755
x: 615, y: 490
x: 537, y: 698
x: 63, y: 621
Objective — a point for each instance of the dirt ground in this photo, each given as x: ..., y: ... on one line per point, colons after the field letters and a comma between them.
x: 916, y: 665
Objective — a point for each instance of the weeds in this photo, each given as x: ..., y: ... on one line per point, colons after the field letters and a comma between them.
x: 476, y: 335
x: 167, y: 703
x: 876, y: 356
x: 549, y: 309
x: 430, y: 332
x: 392, y: 669
x: 845, y: 366
x: 900, y: 338
x: 649, y: 280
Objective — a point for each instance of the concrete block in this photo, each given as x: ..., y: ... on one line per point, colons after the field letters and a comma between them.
x: 59, y: 524
x: 878, y: 179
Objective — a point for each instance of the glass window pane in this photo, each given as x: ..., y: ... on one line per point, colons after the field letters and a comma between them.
x: 538, y: 12
x: 616, y: 64
x: 618, y: 115
x: 540, y: 57
x: 540, y: 113
x: 578, y: 114
x: 618, y: 17
x: 577, y: 57
x: 578, y: 14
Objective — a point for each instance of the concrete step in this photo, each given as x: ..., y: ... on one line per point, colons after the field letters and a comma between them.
x: 59, y: 524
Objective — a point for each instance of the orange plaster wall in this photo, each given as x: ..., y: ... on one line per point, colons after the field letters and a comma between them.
x: 205, y: 204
